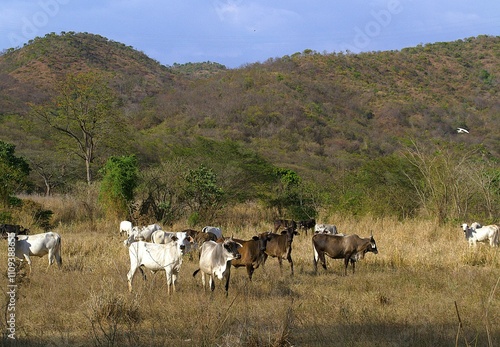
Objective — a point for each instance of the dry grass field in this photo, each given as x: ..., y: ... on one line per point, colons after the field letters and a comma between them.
x: 425, y: 287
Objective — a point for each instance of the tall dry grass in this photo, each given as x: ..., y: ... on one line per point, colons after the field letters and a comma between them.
x: 426, y: 287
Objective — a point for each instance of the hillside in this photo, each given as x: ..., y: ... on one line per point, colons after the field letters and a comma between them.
x: 318, y: 114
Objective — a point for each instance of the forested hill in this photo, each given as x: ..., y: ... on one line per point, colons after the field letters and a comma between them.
x: 315, y: 113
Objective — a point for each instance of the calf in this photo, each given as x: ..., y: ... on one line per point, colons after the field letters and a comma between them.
x: 307, y: 224
x: 350, y: 248
x: 252, y: 253
x: 280, y: 246
x: 477, y: 233
x: 38, y: 245
x: 215, y: 261
x: 157, y: 257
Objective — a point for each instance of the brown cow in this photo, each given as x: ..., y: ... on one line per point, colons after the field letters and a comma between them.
x: 350, y: 248
x: 280, y: 246
x: 252, y: 253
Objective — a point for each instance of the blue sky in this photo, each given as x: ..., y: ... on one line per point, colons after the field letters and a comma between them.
x: 238, y: 32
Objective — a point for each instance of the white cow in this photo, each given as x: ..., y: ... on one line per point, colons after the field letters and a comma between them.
x: 126, y: 227
x: 325, y: 229
x: 215, y: 261
x: 488, y: 233
x: 141, y: 234
x: 214, y: 230
x: 162, y: 237
x: 39, y: 245
x: 157, y: 257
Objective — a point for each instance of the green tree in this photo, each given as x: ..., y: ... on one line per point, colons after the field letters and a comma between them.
x: 82, y: 111
x: 120, y: 178
x: 161, y: 191
x: 13, y: 172
x: 202, y: 194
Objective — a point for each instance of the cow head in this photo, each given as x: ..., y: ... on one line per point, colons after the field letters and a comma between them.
x: 373, y: 245
x: 263, y: 238
x: 231, y: 248
x: 290, y: 232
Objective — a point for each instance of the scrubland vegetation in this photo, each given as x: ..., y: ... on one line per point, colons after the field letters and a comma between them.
x: 426, y: 287
x: 364, y: 141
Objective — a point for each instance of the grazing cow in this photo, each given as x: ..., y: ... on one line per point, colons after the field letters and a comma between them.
x: 39, y: 245
x: 214, y: 230
x: 6, y: 229
x: 307, y: 224
x: 215, y: 261
x: 325, y: 229
x: 284, y: 224
x: 126, y: 227
x: 350, y: 248
x: 280, y: 246
x: 252, y: 252
x: 157, y: 257
x: 487, y: 233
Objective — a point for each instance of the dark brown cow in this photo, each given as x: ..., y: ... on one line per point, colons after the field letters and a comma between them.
x: 6, y: 229
x: 307, y: 224
x: 280, y: 246
x: 284, y: 224
x: 252, y: 253
x: 350, y: 248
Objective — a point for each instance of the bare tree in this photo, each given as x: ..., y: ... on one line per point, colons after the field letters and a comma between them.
x: 81, y: 111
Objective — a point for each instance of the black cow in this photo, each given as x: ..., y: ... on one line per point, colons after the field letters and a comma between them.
x: 6, y: 229
x: 307, y: 224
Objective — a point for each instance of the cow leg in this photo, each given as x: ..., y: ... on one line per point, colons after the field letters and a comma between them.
x: 228, y: 275
x: 174, y: 279
x: 250, y: 271
x: 28, y: 260
x: 51, y: 258
x: 203, y: 280
x: 212, y: 283
x: 130, y: 277
x: 289, y: 258
x: 346, y: 263
x: 353, y: 262
x: 170, y: 281
x: 142, y: 273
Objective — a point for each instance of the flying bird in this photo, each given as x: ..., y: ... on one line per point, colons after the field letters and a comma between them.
x: 462, y: 131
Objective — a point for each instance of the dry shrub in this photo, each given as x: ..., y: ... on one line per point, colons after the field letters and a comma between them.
x: 109, y: 311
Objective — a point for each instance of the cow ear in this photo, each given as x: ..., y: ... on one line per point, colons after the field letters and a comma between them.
x: 255, y: 238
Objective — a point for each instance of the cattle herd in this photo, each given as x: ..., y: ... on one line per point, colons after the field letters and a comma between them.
x: 154, y: 249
